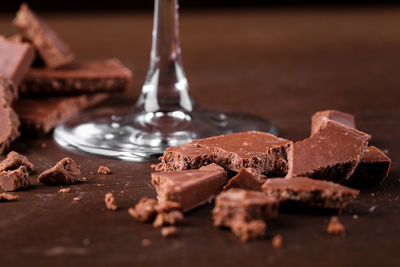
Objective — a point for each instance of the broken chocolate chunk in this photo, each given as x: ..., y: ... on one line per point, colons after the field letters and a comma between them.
x: 249, y: 230
x: 145, y: 210
x: 64, y: 172
x: 9, y: 122
x: 330, y: 154
x: 320, y: 118
x: 14, y: 179
x: 103, y: 170
x: 246, y: 179
x: 335, y: 227
x: 172, y: 217
x: 9, y: 92
x: 307, y: 192
x: 188, y: 189
x: 14, y: 160
x: 8, y: 197
x: 51, y: 48
x: 110, y: 201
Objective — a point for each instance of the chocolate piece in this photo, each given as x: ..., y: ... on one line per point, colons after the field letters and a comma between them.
x: 169, y: 231
x: 372, y: 169
x: 110, y: 201
x: 249, y: 230
x: 14, y: 160
x: 8, y: 197
x: 65, y: 190
x: 277, y: 241
x: 9, y: 92
x: 15, y: 179
x: 42, y: 115
x: 188, y: 189
x: 103, y: 170
x: 145, y: 210
x: 335, y: 227
x: 173, y: 217
x: 320, y: 118
x: 108, y: 75
x: 15, y: 60
x: 184, y: 157
x: 64, y: 172
x: 246, y: 179
x: 330, y: 154
x: 51, y: 48
x: 9, y: 122
x: 307, y: 192
x: 262, y: 151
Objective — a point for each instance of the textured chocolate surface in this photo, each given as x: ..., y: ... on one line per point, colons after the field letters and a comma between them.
x: 14, y: 179
x: 108, y: 75
x: 320, y: 118
x: 246, y: 179
x: 9, y: 122
x: 64, y: 172
x: 14, y: 160
x: 331, y: 154
x: 8, y: 90
x: 145, y: 210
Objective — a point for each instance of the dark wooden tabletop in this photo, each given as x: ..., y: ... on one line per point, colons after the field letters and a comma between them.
x: 280, y: 64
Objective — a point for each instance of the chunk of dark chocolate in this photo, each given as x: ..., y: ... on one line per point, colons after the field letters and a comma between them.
x: 9, y: 122
x: 371, y: 171
x: 64, y: 172
x: 188, y: 189
x: 246, y: 179
x: 320, y: 118
x: 145, y: 210
x: 108, y: 75
x: 52, y: 49
x: 307, y: 192
x: 14, y: 160
x: 330, y: 154
x: 262, y: 151
x: 14, y: 179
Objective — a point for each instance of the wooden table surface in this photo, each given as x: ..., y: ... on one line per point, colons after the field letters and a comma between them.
x: 280, y: 64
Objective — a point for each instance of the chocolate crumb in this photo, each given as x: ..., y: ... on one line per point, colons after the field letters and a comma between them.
x: 8, y: 197
x: 145, y: 210
x: 44, y: 145
x: 372, y: 208
x: 277, y: 241
x: 64, y: 172
x: 99, y: 185
x: 168, y: 231
x: 355, y: 217
x: 110, y: 201
x: 76, y: 199
x: 173, y: 217
x: 103, y: 170
x: 335, y: 227
x: 64, y: 190
x: 146, y: 242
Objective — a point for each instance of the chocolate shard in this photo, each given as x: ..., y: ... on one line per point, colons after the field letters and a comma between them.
x: 184, y: 157
x: 307, y: 192
x: 64, y: 172
x: 15, y: 60
x: 41, y: 115
x: 9, y: 122
x: 188, y: 189
x: 332, y: 153
x: 54, y: 52
x: 246, y: 178
x: 14, y: 160
x: 262, y: 151
x: 15, y: 179
x: 108, y: 75
x: 320, y: 118
x: 371, y: 171
x: 145, y: 210
x: 244, y: 211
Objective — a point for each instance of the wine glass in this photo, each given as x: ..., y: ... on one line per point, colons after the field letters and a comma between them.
x: 165, y: 113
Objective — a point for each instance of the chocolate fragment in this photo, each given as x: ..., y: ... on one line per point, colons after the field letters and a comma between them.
x: 184, y: 157
x: 9, y: 92
x: 330, y: 154
x: 108, y: 75
x: 173, y: 217
x: 14, y: 160
x: 320, y: 118
x: 9, y: 122
x: 264, y: 152
x: 64, y: 172
x: 103, y: 170
x: 371, y: 171
x: 246, y: 179
x: 15, y: 179
x: 335, y: 227
x: 110, y: 201
x: 188, y: 189
x: 307, y: 192
x: 277, y: 241
x: 244, y: 211
x: 15, y: 60
x: 65, y: 190
x: 8, y: 197
x: 42, y: 115
x: 51, y: 48
x: 145, y: 210
x: 168, y: 231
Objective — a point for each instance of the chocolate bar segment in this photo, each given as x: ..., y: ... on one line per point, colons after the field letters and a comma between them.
x: 246, y: 179
x: 52, y: 49
x: 15, y: 160
x: 64, y: 172
x: 188, y: 189
x: 9, y: 122
x: 330, y: 154
x: 108, y: 75
x: 15, y: 179
x: 264, y: 152
x: 320, y: 118
x: 307, y: 192
x: 371, y: 171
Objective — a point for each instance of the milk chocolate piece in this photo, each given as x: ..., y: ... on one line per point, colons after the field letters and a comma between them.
x: 320, y: 118
x: 64, y: 172
x: 8, y: 197
x: 244, y: 211
x: 307, y: 192
x: 246, y: 179
x: 15, y: 60
x: 108, y: 75
x: 14, y: 160
x: 184, y: 157
x: 330, y: 154
x: 188, y: 189
x: 262, y: 151
x: 41, y: 115
x: 9, y: 122
x: 372, y: 170
x: 103, y: 170
x: 15, y: 179
x: 145, y: 210
x: 52, y: 49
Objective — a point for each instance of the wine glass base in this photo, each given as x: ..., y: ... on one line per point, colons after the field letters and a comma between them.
x: 142, y: 136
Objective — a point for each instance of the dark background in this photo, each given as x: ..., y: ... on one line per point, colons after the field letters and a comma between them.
x: 136, y: 5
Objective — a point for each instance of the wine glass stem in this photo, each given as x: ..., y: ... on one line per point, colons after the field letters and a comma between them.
x: 165, y: 88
